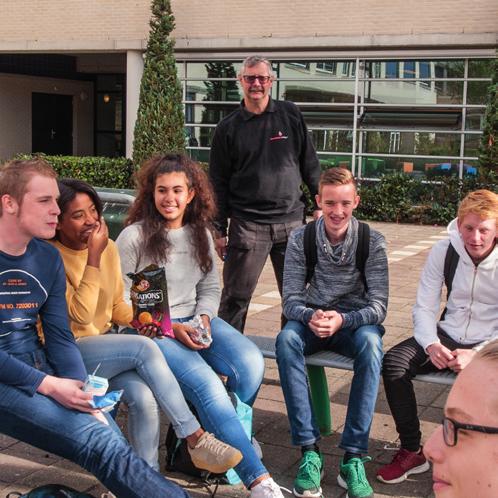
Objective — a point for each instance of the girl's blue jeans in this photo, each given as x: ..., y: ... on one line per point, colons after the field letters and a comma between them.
x: 136, y: 365
x: 233, y: 355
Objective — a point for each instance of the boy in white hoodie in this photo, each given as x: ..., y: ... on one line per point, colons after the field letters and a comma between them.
x: 450, y: 341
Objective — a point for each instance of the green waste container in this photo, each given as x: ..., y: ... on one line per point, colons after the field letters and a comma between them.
x: 116, y: 204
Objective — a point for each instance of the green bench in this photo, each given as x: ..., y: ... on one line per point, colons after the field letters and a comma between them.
x: 116, y: 204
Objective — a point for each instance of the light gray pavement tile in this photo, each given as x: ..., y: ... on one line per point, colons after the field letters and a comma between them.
x: 429, y: 420
x: 271, y: 392
x: 78, y: 480
x: 6, y: 441
x: 274, y: 430
x: 414, y: 487
x: 440, y: 401
x: 15, y: 468
x: 24, y: 450
x: 428, y: 393
x: 14, y: 488
x: 281, y: 460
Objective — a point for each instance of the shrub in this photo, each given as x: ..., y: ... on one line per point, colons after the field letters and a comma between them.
x: 488, y: 151
x: 387, y: 200
x: 97, y: 171
x: 402, y: 199
x: 160, y: 121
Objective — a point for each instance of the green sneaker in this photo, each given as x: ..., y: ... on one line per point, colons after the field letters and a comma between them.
x: 353, y: 478
x: 307, y: 483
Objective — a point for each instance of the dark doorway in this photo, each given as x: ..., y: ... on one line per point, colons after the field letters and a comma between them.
x: 52, y: 124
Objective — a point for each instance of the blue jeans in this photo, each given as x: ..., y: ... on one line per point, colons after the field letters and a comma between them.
x: 230, y: 354
x: 42, y: 422
x: 136, y: 365
x: 296, y: 341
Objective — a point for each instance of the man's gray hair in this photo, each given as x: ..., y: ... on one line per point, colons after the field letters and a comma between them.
x: 254, y: 60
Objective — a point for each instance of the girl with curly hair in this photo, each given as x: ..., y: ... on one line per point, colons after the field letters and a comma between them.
x: 169, y: 225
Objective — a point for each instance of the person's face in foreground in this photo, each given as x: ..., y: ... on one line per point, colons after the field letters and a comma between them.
x: 171, y: 197
x: 37, y: 214
x: 337, y: 203
x: 478, y: 236
x: 78, y: 222
x: 470, y: 468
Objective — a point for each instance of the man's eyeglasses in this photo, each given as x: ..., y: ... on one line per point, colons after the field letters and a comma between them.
x: 451, y: 427
x: 250, y: 78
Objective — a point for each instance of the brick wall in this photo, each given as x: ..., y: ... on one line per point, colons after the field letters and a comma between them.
x: 264, y: 18
x: 94, y: 20
x: 101, y: 21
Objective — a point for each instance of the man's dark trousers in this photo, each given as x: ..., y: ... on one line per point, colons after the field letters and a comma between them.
x: 249, y: 245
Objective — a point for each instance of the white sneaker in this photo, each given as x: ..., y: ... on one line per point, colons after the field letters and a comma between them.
x: 266, y: 489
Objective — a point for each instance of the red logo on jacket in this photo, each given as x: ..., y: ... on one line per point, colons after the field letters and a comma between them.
x: 279, y: 136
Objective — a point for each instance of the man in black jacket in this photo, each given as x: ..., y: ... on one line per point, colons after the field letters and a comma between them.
x: 260, y: 156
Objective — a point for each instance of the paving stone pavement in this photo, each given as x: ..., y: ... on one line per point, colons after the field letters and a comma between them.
x: 23, y: 467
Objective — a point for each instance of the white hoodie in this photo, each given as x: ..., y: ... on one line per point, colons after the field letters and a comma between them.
x: 472, y: 310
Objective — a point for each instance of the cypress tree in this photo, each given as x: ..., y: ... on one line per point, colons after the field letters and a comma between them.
x: 160, y: 120
x: 488, y: 151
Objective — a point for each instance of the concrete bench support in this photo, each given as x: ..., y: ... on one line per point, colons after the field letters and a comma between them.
x: 316, y: 364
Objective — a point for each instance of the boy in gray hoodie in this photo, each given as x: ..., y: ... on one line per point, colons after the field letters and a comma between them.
x: 340, y: 310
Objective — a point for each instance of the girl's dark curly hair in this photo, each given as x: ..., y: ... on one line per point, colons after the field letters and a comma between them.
x: 199, y: 214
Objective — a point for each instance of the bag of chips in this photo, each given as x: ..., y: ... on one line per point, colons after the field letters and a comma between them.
x: 149, y: 298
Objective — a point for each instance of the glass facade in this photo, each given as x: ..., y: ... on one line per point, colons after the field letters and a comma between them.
x: 420, y: 117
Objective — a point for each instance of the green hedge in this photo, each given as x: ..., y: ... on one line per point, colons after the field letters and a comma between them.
x: 402, y: 199
x: 98, y: 171
x: 395, y: 198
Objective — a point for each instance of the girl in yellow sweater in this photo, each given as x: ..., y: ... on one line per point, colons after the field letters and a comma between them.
x: 133, y: 363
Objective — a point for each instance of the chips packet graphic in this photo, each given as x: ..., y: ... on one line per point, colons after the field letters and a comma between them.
x: 149, y: 298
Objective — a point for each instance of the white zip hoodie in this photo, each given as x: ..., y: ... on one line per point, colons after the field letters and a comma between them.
x: 472, y: 310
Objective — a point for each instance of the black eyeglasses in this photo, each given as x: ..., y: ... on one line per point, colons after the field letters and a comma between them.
x: 451, y: 427
x: 250, y: 78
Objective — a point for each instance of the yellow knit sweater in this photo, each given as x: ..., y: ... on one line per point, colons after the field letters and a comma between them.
x: 94, y: 296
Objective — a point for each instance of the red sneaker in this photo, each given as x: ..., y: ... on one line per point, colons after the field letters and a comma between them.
x: 403, y: 464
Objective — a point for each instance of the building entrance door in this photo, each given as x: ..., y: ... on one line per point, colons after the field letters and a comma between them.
x: 52, y: 124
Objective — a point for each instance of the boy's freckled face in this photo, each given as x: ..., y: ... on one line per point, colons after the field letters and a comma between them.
x: 478, y: 235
